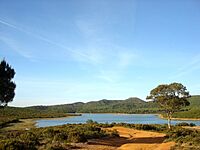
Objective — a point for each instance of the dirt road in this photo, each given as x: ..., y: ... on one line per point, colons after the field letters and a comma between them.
x: 131, y: 139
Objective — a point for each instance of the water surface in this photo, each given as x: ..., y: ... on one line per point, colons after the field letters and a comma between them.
x: 109, y: 118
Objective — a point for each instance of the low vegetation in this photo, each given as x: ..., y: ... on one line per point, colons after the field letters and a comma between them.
x: 61, y: 137
x: 185, y: 138
x: 52, y: 137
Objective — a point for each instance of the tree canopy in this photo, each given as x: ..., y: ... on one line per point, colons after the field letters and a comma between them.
x: 7, y: 86
x: 171, y: 97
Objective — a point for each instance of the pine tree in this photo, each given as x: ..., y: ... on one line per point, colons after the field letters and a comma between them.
x: 7, y: 86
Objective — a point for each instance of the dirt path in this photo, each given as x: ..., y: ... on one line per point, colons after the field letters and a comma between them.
x: 131, y: 139
x: 143, y: 140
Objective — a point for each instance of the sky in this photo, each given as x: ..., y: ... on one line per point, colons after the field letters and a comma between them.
x: 85, y: 50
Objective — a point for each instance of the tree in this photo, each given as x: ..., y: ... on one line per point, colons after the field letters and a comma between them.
x: 171, y: 97
x: 7, y: 86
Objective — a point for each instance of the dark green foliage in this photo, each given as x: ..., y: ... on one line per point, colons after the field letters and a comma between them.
x: 90, y: 121
x: 7, y: 86
x: 19, y: 140
x: 185, y: 124
x: 148, y: 127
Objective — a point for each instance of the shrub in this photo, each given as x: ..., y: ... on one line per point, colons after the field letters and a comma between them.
x: 13, y: 144
x: 60, y: 136
x: 75, y: 137
x: 192, y: 124
x: 114, y: 133
x: 90, y: 121
x: 183, y: 124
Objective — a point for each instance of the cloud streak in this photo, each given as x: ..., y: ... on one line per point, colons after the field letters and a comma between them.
x: 17, y: 48
x: 109, y: 60
x: 37, y: 36
x: 188, y: 68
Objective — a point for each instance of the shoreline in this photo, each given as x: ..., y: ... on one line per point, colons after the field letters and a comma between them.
x: 184, y: 119
x: 29, y: 123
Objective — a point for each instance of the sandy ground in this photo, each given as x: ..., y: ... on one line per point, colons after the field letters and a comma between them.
x: 129, y: 139
x: 24, y: 124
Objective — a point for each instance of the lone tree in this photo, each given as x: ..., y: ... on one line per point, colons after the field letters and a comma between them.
x: 7, y: 86
x: 171, y: 97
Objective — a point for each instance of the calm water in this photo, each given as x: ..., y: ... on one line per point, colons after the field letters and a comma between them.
x: 109, y: 118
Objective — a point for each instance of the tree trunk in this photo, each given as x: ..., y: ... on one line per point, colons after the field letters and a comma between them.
x: 169, y: 122
x: 169, y: 115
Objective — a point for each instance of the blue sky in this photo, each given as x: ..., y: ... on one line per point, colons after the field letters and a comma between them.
x: 80, y: 50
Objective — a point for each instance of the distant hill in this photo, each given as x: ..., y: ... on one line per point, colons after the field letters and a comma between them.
x: 130, y: 105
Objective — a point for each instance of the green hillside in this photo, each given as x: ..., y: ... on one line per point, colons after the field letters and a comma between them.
x: 192, y: 111
x: 130, y: 105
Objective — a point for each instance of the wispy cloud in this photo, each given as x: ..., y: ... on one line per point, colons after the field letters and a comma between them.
x: 42, y: 38
x: 126, y: 58
x: 107, y: 59
x: 110, y: 60
x: 17, y: 48
x: 193, y: 65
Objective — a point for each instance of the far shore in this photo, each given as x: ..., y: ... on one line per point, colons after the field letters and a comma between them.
x: 186, y: 119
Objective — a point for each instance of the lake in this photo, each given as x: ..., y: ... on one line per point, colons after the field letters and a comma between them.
x: 109, y: 118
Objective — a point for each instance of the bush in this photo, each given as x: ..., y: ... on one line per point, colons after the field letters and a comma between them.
x: 114, y: 133
x: 192, y: 124
x: 14, y: 144
x: 186, y: 136
x: 60, y: 137
x: 183, y: 124
x: 75, y: 137
x: 90, y: 121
